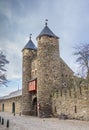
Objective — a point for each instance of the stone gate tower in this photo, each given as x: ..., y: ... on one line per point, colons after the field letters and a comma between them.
x: 29, y: 52
x: 48, y: 70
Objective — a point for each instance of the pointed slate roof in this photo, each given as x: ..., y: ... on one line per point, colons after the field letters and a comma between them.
x: 46, y: 31
x: 30, y: 45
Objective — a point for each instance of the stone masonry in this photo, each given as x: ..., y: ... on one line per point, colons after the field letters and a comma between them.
x: 74, y: 105
x: 28, y: 56
x: 6, y: 105
x: 48, y: 72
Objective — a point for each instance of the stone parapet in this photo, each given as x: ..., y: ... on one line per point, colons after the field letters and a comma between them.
x: 74, y: 105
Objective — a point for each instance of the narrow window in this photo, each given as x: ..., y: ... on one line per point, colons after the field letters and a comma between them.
x: 75, y: 109
x: 80, y: 90
x: 39, y: 38
x: 13, y: 107
x: 66, y: 75
x: 2, y: 107
x: 55, y: 109
x: 62, y: 75
x: 69, y: 92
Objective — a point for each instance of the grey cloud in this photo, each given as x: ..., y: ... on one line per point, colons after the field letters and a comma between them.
x: 21, y: 17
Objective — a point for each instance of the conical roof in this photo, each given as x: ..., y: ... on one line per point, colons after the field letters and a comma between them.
x: 30, y: 45
x: 46, y: 31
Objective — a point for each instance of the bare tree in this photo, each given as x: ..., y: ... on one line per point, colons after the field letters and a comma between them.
x: 82, y: 53
x: 3, y: 62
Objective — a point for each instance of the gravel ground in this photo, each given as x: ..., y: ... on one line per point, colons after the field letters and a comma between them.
x: 34, y: 123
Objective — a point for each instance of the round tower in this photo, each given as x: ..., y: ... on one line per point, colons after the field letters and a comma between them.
x: 29, y: 52
x: 48, y: 70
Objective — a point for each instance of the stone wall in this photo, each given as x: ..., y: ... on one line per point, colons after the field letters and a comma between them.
x: 28, y: 56
x: 66, y: 73
x: 48, y: 72
x: 8, y: 104
x: 74, y: 103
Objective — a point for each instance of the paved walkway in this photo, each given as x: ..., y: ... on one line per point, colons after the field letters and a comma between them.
x: 34, y: 123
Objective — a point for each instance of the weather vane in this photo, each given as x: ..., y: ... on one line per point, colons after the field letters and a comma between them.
x: 30, y: 36
x: 46, y: 22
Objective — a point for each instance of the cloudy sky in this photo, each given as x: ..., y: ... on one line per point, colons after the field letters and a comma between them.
x: 68, y: 19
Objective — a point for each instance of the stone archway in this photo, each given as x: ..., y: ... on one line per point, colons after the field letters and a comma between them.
x: 34, y: 106
x: 13, y: 107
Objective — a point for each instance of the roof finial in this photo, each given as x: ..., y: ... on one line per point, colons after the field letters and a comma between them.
x: 46, y: 22
x: 30, y: 36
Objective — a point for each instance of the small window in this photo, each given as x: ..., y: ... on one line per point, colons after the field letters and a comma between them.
x: 66, y: 75
x: 39, y: 38
x: 55, y: 109
x: 62, y: 75
x: 2, y: 107
x: 69, y: 92
x: 75, y: 109
x: 13, y: 107
x: 50, y: 36
x: 80, y: 91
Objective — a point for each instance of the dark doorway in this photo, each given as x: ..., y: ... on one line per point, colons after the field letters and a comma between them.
x: 2, y: 107
x: 13, y: 107
x: 34, y: 104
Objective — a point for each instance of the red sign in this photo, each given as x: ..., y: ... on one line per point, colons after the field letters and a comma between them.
x: 33, y: 85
